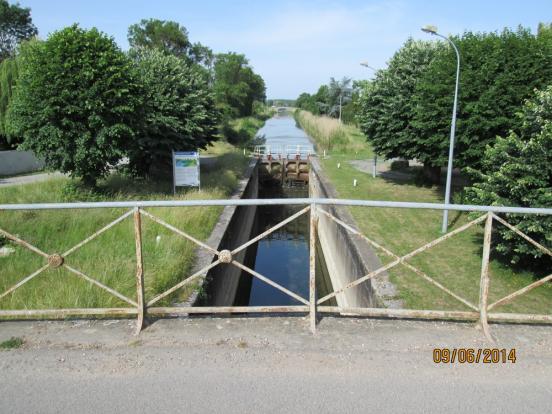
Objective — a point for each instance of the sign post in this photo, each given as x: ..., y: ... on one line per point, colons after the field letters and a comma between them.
x: 185, y: 169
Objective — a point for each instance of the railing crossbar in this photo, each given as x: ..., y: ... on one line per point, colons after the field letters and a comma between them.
x: 96, y: 234
x: 178, y: 231
x: 525, y: 236
x: 183, y: 283
x: 24, y: 280
x: 270, y: 230
x: 276, y: 201
x: 270, y: 282
x: 310, y: 306
x: 100, y: 285
x: 23, y: 243
x: 401, y: 260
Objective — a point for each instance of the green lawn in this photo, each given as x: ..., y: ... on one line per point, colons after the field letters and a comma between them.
x: 110, y: 258
x: 455, y: 263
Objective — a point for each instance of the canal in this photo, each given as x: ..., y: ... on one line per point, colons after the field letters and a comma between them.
x: 283, y: 256
x: 282, y: 130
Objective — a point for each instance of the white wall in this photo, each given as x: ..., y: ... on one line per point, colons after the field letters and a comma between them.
x: 18, y: 162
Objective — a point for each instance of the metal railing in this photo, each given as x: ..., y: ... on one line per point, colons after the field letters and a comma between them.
x: 312, y: 305
x: 284, y: 151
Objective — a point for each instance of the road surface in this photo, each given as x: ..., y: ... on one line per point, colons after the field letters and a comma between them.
x: 254, y: 365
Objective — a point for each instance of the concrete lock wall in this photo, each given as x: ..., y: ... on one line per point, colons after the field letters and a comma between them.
x: 232, y: 230
x: 347, y: 258
x: 19, y: 162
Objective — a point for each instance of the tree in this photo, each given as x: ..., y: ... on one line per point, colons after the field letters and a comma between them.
x: 386, y: 106
x: 339, y: 94
x: 8, y: 76
x: 169, y: 37
x: 75, y: 102
x: 179, y: 110
x: 519, y: 173
x: 236, y: 85
x: 498, y: 72
x: 323, y: 100
x: 15, y: 25
x: 307, y: 102
x: 352, y: 109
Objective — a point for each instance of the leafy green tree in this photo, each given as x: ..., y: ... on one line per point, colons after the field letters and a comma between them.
x: 518, y: 172
x: 307, y: 102
x: 236, y: 85
x: 8, y: 76
x: 179, y: 111
x: 170, y: 37
x: 323, y: 100
x: 498, y: 72
x: 387, y: 107
x: 15, y: 25
x: 75, y: 102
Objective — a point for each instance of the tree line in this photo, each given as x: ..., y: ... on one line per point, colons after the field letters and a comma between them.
x: 503, y: 134
x: 337, y: 99
x: 504, y: 121
x: 82, y: 104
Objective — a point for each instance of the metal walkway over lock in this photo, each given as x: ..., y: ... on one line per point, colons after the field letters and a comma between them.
x: 311, y: 305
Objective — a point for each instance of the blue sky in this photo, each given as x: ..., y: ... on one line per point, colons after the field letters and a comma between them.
x: 297, y: 45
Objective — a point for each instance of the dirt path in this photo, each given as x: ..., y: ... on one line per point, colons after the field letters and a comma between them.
x: 268, y: 365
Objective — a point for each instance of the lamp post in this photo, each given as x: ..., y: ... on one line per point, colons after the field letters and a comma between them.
x: 374, y: 167
x: 366, y: 65
x: 433, y: 30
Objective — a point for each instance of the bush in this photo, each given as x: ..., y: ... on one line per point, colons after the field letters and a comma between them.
x: 75, y: 102
x: 519, y: 173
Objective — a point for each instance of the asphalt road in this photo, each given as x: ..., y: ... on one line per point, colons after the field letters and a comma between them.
x: 269, y: 365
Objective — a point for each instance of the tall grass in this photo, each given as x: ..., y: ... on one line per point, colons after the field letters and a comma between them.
x: 110, y: 258
x: 330, y: 134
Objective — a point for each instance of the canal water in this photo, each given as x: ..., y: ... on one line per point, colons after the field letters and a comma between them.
x: 282, y: 130
x: 282, y: 256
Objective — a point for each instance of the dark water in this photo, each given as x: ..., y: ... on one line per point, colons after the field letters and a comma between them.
x: 282, y: 256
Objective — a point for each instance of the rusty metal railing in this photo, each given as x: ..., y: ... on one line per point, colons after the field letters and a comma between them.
x: 312, y: 305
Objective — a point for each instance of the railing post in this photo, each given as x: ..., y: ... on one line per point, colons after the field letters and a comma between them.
x: 139, y: 271
x: 484, y: 283
x: 312, y: 268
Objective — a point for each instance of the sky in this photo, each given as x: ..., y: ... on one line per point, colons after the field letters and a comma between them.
x: 296, y: 46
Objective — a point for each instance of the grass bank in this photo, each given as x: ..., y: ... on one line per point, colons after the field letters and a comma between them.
x: 109, y: 258
x: 456, y: 263
x: 333, y: 136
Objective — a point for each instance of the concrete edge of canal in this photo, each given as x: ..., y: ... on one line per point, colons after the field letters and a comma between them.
x: 227, y: 227
x: 348, y: 257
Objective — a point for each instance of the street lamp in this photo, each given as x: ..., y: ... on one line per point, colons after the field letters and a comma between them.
x: 366, y: 65
x: 433, y: 30
x: 375, y: 166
